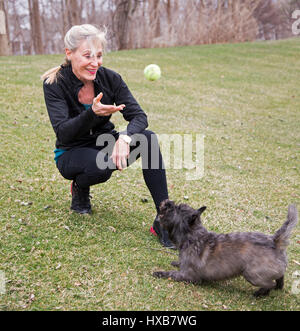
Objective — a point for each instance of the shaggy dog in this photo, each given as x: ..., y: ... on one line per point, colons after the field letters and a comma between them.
x: 205, y: 255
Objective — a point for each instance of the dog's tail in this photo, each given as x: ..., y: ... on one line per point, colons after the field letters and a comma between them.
x: 281, y: 237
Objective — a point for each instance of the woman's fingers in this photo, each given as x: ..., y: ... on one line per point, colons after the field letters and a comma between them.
x: 106, y: 110
x: 121, y: 107
x: 99, y: 97
x: 121, y: 162
x: 120, y: 155
x: 118, y: 161
x: 112, y: 108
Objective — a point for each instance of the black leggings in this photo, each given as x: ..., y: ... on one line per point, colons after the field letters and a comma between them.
x: 80, y: 164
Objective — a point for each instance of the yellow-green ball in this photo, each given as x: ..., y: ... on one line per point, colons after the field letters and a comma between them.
x: 152, y: 72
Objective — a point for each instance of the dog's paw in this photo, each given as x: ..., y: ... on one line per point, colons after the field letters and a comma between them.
x: 262, y: 292
x: 159, y: 274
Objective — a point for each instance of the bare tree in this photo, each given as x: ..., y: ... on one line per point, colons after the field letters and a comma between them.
x: 35, y: 24
x: 4, y: 43
x: 268, y: 18
x: 122, y: 21
x: 64, y: 17
x: 147, y: 23
x: 73, y: 12
x: 287, y: 7
x: 154, y: 8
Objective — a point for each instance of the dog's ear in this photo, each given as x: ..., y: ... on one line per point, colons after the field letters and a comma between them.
x: 166, y: 205
x: 169, y: 204
x: 194, y: 217
x: 201, y: 210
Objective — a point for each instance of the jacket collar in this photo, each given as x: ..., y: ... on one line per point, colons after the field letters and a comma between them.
x: 68, y: 73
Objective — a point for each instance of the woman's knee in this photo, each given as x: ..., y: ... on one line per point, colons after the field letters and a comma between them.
x: 105, y: 176
x: 93, y: 178
x: 97, y: 176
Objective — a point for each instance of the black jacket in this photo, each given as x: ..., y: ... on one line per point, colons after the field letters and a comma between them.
x: 75, y: 126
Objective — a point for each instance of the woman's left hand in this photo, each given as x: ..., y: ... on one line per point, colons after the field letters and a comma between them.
x: 120, y: 154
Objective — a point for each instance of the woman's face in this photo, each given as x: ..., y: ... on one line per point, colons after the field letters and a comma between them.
x: 86, y: 60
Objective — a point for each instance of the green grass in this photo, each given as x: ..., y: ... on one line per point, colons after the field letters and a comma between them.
x: 244, y: 98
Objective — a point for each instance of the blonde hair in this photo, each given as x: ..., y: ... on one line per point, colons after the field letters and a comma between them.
x: 72, y: 40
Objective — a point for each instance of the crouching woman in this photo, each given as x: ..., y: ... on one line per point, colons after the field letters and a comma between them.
x: 81, y: 96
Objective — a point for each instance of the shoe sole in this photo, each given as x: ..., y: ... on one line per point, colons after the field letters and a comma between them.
x: 157, y: 234
x: 85, y: 212
x: 153, y: 231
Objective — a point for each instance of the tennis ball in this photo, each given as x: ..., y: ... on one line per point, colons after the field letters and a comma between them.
x: 152, y: 72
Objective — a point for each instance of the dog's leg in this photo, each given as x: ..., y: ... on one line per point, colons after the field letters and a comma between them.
x: 266, y: 285
x: 176, y: 275
x: 262, y: 292
x: 175, y: 264
x: 162, y: 274
x: 279, y: 283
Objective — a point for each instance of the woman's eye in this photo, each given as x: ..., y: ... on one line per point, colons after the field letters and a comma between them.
x: 89, y: 57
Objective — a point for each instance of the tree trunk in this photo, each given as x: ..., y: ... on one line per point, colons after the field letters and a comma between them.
x: 155, y: 17
x: 4, y: 43
x: 64, y: 17
x: 122, y: 20
x: 73, y: 11
x: 35, y: 23
x: 38, y: 45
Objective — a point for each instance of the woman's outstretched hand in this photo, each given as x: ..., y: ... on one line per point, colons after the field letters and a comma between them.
x: 104, y: 110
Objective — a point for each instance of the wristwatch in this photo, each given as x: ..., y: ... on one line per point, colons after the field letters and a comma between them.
x: 126, y: 138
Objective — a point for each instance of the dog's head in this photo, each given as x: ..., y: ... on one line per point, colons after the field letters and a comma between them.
x: 179, y: 220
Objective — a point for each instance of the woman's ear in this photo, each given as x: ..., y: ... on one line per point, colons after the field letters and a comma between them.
x: 68, y: 54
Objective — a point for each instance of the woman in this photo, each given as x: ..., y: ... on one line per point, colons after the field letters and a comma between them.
x: 81, y: 96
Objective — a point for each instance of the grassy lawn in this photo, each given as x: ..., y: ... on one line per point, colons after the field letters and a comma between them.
x: 244, y: 98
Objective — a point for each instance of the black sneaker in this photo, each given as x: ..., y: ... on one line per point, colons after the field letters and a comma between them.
x: 80, y: 199
x: 162, y: 234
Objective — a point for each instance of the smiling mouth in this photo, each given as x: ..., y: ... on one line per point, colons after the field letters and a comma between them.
x: 92, y: 72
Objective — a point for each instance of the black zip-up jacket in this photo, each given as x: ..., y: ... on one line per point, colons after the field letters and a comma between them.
x: 75, y: 126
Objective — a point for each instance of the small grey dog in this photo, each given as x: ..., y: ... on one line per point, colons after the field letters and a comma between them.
x: 208, y: 256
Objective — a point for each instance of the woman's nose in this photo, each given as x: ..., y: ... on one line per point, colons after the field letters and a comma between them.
x: 94, y: 61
